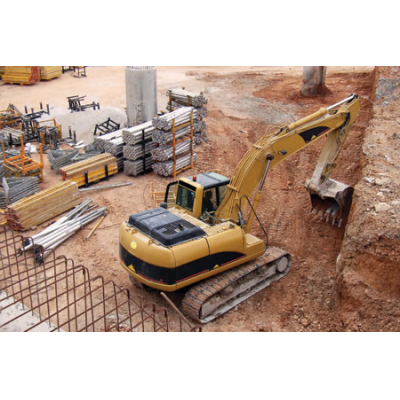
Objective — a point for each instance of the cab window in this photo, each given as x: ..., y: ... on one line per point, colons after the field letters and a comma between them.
x: 185, y: 198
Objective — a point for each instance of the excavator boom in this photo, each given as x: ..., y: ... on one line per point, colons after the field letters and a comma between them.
x: 270, y: 150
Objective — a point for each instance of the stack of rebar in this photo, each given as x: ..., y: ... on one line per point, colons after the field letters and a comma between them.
x: 42, y: 206
x: 15, y: 189
x: 61, y: 158
x: 166, y: 168
x: 61, y: 230
x: 164, y: 153
x: 91, y: 170
x: 134, y: 168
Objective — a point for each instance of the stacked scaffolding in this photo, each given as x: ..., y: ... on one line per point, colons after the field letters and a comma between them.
x: 179, y: 97
x: 138, y: 145
x: 175, y: 133
x: 14, y: 189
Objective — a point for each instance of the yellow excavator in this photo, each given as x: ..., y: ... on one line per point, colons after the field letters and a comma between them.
x: 200, y: 236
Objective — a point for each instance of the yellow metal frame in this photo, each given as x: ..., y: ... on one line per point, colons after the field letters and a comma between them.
x: 22, y: 163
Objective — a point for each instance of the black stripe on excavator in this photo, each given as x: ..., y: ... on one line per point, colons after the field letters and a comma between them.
x: 313, y: 133
x: 171, y: 276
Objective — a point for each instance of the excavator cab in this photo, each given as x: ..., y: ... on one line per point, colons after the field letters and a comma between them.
x: 197, y: 195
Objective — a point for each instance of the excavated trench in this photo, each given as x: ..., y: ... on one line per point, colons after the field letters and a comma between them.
x: 307, y: 298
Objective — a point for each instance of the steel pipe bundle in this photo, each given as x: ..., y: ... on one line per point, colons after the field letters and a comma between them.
x: 61, y: 158
x: 201, y: 111
x: 186, y: 97
x: 164, y: 137
x: 166, y: 168
x: 133, y: 153
x: 100, y: 142
x: 134, y: 135
x: 17, y: 188
x: 199, y: 137
x: 134, y: 168
x: 164, y: 153
x: 44, y: 242
x: 42, y: 206
x: 181, y: 116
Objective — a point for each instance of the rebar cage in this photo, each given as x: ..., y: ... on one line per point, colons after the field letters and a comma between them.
x: 58, y: 295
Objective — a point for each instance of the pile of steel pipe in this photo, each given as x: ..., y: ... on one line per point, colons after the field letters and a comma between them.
x: 166, y: 168
x: 134, y: 135
x: 164, y: 153
x: 134, y: 168
x: 180, y: 116
x: 133, y: 153
x: 199, y: 137
x: 186, y: 97
x: 200, y: 111
x: 61, y: 158
x: 44, y: 242
x: 100, y: 142
x: 17, y: 188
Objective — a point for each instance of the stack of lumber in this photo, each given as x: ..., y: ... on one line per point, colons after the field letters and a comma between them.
x: 2, y: 70
x: 21, y: 75
x: 15, y: 189
x: 90, y: 170
x: 48, y: 73
x: 43, y: 206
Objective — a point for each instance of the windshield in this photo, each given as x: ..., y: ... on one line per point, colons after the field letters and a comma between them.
x: 185, y: 198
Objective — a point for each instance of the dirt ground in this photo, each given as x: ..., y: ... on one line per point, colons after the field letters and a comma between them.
x: 244, y: 102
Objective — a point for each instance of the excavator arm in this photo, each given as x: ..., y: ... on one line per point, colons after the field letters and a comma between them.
x: 334, y: 123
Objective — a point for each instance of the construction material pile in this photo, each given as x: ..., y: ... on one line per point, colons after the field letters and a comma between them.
x: 21, y: 75
x: 13, y: 136
x: 61, y: 158
x: 46, y: 241
x: 90, y: 170
x: 42, y: 206
x: 179, y: 97
x: 164, y: 153
x: 111, y: 143
x: 138, y: 145
x: 166, y: 168
x: 15, y: 189
x: 174, y: 135
x: 48, y: 73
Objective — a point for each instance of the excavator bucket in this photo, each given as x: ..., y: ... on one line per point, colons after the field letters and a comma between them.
x: 331, y: 201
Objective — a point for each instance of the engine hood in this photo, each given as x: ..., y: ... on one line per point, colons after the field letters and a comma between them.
x: 166, y: 228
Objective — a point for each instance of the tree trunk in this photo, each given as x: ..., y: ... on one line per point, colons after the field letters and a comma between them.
x: 313, y: 81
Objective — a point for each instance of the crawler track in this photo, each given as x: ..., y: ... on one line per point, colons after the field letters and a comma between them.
x: 215, y: 296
